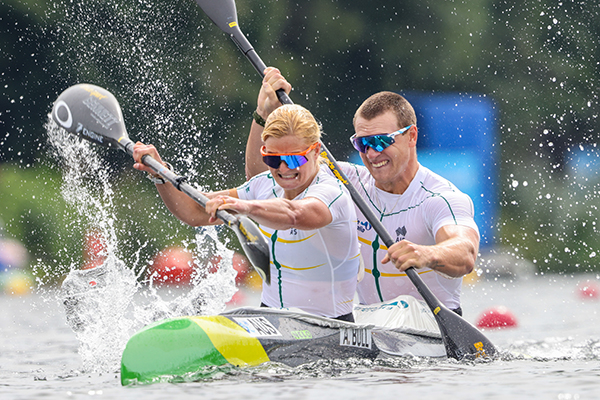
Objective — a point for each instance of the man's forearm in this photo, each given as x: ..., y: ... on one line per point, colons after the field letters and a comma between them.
x: 454, y: 257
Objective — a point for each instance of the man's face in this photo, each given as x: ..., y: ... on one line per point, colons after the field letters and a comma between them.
x: 389, y: 168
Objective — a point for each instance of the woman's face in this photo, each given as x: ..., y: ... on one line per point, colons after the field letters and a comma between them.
x: 293, y: 180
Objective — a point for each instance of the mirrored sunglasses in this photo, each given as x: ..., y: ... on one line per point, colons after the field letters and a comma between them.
x: 376, y: 142
x: 293, y: 160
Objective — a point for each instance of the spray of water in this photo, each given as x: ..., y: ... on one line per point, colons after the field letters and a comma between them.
x: 106, y: 304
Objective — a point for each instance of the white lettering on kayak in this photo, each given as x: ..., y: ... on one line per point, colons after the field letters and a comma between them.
x: 355, y: 337
x: 257, y: 326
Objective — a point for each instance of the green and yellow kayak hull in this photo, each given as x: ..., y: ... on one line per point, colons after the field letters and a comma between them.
x: 180, y: 345
x: 176, y: 348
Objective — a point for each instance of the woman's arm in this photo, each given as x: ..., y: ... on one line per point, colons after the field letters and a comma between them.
x: 305, y: 214
x: 178, y: 203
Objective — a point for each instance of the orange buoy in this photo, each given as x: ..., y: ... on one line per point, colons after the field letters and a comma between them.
x: 497, y: 317
x: 172, y: 266
x: 588, y: 290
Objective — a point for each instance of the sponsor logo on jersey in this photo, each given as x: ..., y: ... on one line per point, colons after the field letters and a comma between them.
x: 400, y: 234
x: 364, y: 226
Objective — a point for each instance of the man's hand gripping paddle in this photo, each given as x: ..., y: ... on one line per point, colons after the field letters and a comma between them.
x: 93, y: 113
x: 461, y: 339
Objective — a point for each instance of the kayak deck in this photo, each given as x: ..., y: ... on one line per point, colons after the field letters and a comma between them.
x: 251, y: 336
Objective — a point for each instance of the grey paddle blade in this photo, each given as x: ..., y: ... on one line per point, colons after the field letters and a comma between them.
x: 222, y: 12
x: 92, y: 113
x: 255, y: 246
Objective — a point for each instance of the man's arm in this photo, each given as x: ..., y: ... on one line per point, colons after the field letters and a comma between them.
x: 453, y: 255
x: 267, y: 103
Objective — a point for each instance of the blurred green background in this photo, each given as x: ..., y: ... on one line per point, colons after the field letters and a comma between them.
x: 185, y: 87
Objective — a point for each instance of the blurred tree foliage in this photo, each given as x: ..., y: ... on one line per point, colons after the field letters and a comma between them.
x: 184, y: 87
x: 52, y: 230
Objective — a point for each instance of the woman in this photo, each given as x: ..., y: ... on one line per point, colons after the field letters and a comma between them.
x: 307, y: 215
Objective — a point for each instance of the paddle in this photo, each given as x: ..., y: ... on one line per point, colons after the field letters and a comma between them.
x: 93, y: 113
x: 461, y: 339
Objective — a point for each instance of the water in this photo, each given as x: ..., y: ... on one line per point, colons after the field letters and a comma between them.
x: 105, y: 305
x: 553, y: 353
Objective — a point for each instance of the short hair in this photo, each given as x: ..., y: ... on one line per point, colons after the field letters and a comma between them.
x: 292, y: 119
x: 382, y: 102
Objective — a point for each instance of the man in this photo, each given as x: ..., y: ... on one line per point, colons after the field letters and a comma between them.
x: 430, y: 218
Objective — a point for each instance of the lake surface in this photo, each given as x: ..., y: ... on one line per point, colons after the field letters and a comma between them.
x: 553, y: 353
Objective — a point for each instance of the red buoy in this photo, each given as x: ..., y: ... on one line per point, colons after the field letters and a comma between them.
x: 95, y: 249
x: 497, y: 317
x: 240, y: 263
x: 588, y: 290
x: 172, y: 266
x: 238, y: 299
x: 242, y: 266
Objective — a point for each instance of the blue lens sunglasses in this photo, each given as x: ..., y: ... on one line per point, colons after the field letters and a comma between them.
x: 293, y: 160
x: 376, y: 142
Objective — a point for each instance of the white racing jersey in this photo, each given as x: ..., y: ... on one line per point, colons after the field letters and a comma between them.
x: 429, y: 203
x: 315, y: 271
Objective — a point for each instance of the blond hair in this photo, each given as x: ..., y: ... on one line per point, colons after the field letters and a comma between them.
x: 382, y: 102
x: 292, y: 119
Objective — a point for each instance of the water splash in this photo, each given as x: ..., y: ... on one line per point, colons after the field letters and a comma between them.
x: 106, y: 304
x: 152, y: 56
x: 555, y: 348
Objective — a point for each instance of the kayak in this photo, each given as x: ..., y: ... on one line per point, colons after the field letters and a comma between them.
x: 174, y: 348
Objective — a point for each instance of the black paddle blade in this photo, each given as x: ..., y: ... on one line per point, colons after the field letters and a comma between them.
x: 255, y: 246
x: 222, y: 12
x: 461, y: 339
x: 92, y: 113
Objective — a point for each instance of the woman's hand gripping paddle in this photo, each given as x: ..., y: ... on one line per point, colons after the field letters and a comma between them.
x: 460, y: 337
x: 93, y: 113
